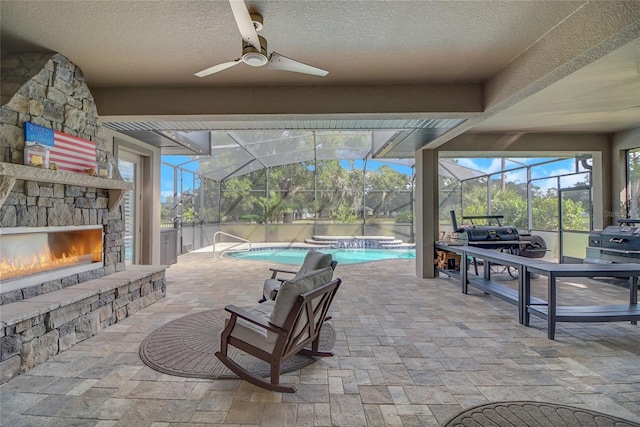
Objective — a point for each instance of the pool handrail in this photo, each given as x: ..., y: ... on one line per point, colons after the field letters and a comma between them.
x: 242, y: 241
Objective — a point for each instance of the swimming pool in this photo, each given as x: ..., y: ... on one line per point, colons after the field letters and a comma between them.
x: 343, y: 256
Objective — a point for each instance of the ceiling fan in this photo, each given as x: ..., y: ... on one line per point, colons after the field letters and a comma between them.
x: 254, y: 47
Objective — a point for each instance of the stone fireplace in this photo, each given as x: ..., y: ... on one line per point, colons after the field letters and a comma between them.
x: 50, y: 91
x: 63, y: 277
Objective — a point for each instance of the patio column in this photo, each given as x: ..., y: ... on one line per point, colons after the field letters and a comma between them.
x: 426, y: 211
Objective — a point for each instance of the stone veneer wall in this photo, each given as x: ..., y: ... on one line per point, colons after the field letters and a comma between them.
x: 50, y: 91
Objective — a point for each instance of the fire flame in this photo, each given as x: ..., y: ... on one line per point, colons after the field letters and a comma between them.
x: 46, y: 260
x: 37, y: 264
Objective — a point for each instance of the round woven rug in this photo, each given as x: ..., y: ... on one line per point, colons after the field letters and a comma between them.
x: 186, y: 347
x: 525, y: 413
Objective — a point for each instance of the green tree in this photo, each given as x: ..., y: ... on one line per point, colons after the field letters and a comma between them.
x: 333, y: 187
x: 190, y: 215
x: 345, y: 214
x: 507, y: 199
x: 293, y: 183
x: 240, y: 196
x: 475, y: 201
x: 450, y: 193
x: 544, y: 210
x: 509, y: 203
x: 385, y: 188
x: 573, y: 215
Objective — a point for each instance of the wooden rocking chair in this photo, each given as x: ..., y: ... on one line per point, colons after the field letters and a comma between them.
x: 275, y: 331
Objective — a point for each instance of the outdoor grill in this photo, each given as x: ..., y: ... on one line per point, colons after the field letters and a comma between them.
x: 505, y: 238
x: 616, y: 243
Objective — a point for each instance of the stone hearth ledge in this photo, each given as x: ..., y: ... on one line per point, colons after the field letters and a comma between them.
x: 15, y: 312
x: 37, y: 328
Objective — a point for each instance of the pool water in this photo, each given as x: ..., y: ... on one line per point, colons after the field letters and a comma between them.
x: 343, y: 256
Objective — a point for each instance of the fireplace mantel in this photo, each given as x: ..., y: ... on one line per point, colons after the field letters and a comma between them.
x: 10, y: 172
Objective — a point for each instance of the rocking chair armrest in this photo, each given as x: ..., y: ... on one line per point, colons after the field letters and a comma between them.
x: 251, y: 318
x: 277, y: 270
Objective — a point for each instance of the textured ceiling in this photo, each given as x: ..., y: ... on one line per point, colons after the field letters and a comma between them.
x: 132, y: 43
x: 499, y: 66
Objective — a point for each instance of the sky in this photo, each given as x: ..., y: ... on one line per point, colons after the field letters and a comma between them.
x: 563, y: 167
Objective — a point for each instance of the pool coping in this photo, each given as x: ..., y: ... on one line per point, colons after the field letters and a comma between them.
x: 222, y: 247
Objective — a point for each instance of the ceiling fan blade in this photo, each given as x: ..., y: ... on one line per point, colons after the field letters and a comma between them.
x: 245, y: 23
x: 218, y: 68
x: 280, y: 62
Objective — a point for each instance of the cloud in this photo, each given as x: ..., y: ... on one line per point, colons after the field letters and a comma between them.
x: 519, y: 176
x: 485, y: 165
x: 467, y: 163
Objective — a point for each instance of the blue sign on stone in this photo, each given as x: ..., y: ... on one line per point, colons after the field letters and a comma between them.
x: 39, y: 134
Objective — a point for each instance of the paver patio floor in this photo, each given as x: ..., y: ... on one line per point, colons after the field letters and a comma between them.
x: 409, y: 352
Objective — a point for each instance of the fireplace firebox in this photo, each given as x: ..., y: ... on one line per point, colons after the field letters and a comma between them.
x: 32, y: 255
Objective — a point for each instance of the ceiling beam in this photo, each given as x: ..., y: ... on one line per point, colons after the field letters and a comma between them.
x: 376, y: 101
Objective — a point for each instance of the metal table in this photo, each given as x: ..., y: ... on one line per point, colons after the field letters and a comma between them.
x: 549, y: 310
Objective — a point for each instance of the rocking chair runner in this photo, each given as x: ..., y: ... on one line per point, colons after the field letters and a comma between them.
x: 275, y: 331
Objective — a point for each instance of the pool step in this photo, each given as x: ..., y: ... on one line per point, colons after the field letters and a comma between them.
x: 327, y: 243
x: 382, y: 242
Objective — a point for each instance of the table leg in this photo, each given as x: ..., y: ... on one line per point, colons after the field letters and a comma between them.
x: 633, y: 293
x: 522, y: 301
x: 526, y: 292
x: 464, y: 265
x: 551, y: 321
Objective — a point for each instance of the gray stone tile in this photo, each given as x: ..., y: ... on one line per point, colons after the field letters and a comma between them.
x: 29, y: 421
x: 322, y: 414
x: 176, y: 411
x: 61, y: 385
x: 375, y: 394
x: 15, y: 404
x: 373, y: 415
x: 310, y: 393
x: 81, y: 407
x: 429, y: 395
x: 245, y: 413
x: 50, y: 405
x: 395, y: 374
x: 347, y: 410
x: 113, y: 409
x: 279, y: 415
x: 143, y: 412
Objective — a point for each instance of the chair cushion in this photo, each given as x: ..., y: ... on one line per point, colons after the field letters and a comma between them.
x: 270, y: 288
x: 314, y: 260
x: 290, y: 290
x: 255, y: 335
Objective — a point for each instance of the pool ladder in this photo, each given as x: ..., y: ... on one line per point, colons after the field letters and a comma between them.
x: 232, y: 247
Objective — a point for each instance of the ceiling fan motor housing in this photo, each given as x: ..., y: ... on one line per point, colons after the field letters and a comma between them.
x: 256, y: 18
x: 251, y: 55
